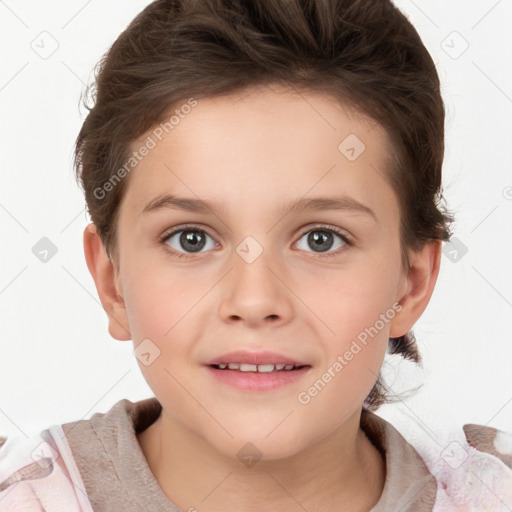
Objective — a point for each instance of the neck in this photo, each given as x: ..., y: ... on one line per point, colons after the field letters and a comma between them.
x: 343, y: 467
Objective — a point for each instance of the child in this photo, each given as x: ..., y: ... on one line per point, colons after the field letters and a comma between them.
x: 257, y: 132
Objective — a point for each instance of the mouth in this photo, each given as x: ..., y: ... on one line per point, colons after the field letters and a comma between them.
x: 256, y: 372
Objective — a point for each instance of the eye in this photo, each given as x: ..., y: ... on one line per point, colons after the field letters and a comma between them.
x: 188, y: 240
x: 322, y: 239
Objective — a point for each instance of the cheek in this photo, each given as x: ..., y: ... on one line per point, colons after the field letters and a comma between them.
x: 162, y: 305
x: 350, y: 300
x: 160, y: 297
x: 355, y: 306
x: 358, y: 313
x: 160, y: 310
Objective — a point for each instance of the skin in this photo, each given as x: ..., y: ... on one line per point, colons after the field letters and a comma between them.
x: 251, y: 154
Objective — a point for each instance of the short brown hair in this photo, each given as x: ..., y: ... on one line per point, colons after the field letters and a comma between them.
x: 363, y: 52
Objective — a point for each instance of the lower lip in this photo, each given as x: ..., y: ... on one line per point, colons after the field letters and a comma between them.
x: 257, y: 381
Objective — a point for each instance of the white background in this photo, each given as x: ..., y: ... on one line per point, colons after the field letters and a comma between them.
x: 57, y: 360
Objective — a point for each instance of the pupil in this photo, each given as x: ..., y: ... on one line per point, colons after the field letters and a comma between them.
x: 317, y: 238
x: 192, y: 241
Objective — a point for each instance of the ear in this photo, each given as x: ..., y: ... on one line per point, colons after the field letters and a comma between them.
x: 104, y: 274
x: 418, y: 287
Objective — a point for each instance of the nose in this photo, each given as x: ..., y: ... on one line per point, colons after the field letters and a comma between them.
x: 255, y: 293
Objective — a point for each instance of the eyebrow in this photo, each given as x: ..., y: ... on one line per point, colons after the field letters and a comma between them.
x: 297, y: 206
x: 344, y: 203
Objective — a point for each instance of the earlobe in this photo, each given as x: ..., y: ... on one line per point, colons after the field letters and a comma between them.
x: 103, y: 272
x: 421, y: 279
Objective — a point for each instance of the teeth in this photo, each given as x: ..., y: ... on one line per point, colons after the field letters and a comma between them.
x: 261, y: 368
x: 266, y: 368
x: 248, y: 368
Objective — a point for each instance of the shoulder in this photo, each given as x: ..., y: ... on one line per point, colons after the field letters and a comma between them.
x: 38, y: 473
x: 476, y: 472
x: 472, y: 465
x: 76, y: 466
x: 490, y: 440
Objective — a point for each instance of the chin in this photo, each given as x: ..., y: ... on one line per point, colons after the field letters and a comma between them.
x: 256, y: 445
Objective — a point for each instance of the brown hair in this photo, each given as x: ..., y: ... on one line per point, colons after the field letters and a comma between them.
x: 363, y: 52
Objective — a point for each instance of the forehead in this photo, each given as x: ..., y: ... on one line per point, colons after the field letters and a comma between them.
x: 263, y: 143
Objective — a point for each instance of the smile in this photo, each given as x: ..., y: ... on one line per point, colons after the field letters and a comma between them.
x: 257, y: 377
x: 261, y: 368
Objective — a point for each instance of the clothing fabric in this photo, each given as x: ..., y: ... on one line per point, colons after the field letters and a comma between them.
x: 98, y: 465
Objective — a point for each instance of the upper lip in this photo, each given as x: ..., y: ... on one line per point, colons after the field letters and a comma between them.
x: 263, y: 357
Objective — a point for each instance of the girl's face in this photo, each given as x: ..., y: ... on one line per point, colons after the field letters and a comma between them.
x: 279, y: 240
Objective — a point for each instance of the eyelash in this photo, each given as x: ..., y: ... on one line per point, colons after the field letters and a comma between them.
x: 191, y: 227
